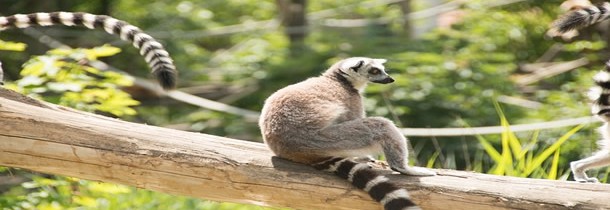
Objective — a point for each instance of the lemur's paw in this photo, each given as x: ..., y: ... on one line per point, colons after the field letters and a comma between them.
x: 587, y: 180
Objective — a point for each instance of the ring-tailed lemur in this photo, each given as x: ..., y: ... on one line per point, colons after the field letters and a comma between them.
x: 601, y: 94
x: 153, y: 52
x: 321, y: 122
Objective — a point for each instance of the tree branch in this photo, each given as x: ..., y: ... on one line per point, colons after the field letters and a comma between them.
x: 53, y: 139
x: 550, y: 71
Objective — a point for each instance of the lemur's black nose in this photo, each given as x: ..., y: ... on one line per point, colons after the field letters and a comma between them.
x: 386, y: 80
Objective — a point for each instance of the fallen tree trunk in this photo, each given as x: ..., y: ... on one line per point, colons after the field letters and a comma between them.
x: 57, y: 140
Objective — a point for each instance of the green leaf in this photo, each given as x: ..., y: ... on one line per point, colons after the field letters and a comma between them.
x: 103, y: 187
x: 102, y: 51
x: 554, y: 164
x: 85, y: 201
x: 33, y: 69
x: 491, y: 151
x: 578, y: 46
x: 432, y: 159
x: 61, y: 51
x: 12, y: 46
x: 507, y: 134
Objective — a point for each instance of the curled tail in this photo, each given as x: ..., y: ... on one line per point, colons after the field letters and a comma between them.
x: 153, y: 52
x: 583, y: 17
x: 362, y: 176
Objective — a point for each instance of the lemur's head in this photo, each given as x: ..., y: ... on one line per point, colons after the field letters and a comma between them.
x: 361, y: 70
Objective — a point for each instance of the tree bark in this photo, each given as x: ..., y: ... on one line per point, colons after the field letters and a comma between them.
x: 292, y: 14
x: 53, y: 139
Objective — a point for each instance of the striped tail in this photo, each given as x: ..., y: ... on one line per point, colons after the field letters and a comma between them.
x: 601, y: 94
x: 583, y: 17
x: 362, y: 176
x: 153, y: 52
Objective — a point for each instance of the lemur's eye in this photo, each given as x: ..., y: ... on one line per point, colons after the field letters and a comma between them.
x: 375, y: 71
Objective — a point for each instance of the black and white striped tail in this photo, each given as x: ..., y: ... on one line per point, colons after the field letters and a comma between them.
x: 583, y: 17
x: 601, y: 93
x: 362, y: 176
x: 153, y: 52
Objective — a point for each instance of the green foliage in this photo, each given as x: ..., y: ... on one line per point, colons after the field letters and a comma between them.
x: 524, y: 160
x: 61, y: 76
x: 70, y: 193
x: 453, y: 74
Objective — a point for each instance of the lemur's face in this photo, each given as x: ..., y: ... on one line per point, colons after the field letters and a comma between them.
x: 366, y: 69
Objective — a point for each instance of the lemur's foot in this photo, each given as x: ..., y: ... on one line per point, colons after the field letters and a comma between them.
x: 586, y: 180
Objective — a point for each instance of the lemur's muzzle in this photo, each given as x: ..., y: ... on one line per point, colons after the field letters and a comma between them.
x: 385, y: 80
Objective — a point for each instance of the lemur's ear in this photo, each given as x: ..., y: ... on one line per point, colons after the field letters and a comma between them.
x: 354, y: 63
x: 357, y: 66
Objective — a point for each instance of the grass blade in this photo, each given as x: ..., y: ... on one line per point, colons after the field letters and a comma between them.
x: 554, y: 163
x: 515, y: 144
x: 432, y: 160
x: 538, y: 160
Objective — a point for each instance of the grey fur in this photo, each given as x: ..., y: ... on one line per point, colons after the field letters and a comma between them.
x: 324, y: 117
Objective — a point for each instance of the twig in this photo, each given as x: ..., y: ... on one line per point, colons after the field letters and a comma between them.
x: 550, y: 53
x: 550, y: 71
x: 519, y: 102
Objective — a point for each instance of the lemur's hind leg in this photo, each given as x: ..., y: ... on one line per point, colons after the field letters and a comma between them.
x: 580, y: 167
x: 365, y: 136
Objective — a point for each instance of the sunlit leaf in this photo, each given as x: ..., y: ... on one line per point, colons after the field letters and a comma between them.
x: 554, y: 165
x: 49, y: 206
x: 31, y: 81
x: 85, y: 201
x: 12, y: 46
x: 491, y: 151
x: 61, y: 51
x: 432, y: 159
x: 103, y: 187
x: 33, y: 69
x: 103, y: 51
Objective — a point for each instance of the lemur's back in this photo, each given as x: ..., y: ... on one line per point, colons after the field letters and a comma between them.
x: 326, y: 99
x: 293, y: 115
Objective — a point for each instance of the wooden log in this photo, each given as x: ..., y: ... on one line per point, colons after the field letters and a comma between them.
x: 52, y: 139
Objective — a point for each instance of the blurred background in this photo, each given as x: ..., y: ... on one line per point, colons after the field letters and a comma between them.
x: 456, y: 64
